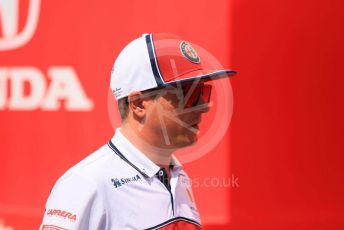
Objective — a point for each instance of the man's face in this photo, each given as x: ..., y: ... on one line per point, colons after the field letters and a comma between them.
x: 175, y: 115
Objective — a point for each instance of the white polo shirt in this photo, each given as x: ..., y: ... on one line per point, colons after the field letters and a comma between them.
x: 118, y: 187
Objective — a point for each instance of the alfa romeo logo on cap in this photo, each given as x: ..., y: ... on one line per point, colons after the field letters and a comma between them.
x: 189, y: 52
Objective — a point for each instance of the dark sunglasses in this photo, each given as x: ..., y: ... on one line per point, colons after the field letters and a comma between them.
x: 196, y: 95
x: 192, y: 94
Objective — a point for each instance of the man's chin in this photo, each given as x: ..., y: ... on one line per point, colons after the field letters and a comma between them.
x: 188, y: 141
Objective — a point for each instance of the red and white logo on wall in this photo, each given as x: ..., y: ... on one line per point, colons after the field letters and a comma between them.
x: 28, y: 87
x: 12, y: 38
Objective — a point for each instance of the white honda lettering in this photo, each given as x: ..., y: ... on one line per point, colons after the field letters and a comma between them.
x: 26, y: 88
x: 35, y: 79
x: 3, y: 88
x: 65, y: 85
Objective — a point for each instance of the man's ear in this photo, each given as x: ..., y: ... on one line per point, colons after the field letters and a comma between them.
x: 136, y: 104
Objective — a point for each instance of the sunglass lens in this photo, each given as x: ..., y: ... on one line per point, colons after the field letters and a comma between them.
x: 193, y: 98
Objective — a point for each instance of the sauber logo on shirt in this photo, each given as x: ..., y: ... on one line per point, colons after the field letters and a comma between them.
x: 119, y: 182
x: 61, y: 213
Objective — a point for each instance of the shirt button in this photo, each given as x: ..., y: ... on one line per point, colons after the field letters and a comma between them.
x: 161, y: 173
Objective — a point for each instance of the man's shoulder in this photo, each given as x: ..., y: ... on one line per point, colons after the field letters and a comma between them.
x: 94, y: 166
x: 78, y: 189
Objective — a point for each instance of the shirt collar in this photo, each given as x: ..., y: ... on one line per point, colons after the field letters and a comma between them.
x: 133, y: 156
x: 176, y: 164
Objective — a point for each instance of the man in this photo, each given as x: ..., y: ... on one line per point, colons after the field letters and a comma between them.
x: 162, y: 87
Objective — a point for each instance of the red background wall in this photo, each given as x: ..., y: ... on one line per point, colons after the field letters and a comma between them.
x: 287, y: 129
x: 284, y: 143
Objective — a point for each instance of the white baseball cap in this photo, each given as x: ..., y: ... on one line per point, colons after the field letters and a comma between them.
x: 155, y: 60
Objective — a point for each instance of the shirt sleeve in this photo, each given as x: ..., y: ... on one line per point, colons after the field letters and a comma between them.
x: 74, y: 203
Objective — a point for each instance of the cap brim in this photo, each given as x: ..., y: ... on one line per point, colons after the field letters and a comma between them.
x: 203, y: 75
